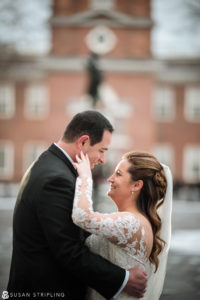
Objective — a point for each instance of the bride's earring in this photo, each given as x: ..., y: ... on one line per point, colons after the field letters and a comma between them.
x: 132, y: 192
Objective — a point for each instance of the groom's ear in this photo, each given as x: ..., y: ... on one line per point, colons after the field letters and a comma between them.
x: 83, y: 142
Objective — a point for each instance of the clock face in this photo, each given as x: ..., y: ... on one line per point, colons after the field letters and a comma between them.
x: 101, y: 40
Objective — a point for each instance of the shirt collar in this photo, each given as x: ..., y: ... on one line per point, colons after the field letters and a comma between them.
x: 66, y: 154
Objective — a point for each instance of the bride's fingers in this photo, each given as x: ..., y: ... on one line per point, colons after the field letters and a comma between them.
x: 83, y: 158
x: 87, y: 158
x: 78, y: 159
x: 82, y: 155
x: 75, y: 165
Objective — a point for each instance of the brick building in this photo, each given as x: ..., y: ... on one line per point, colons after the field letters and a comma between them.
x: 154, y: 105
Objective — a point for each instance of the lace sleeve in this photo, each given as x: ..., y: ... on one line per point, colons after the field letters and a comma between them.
x: 119, y: 227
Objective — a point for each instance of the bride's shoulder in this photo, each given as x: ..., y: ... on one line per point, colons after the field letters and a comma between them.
x: 136, y: 219
x: 141, y: 219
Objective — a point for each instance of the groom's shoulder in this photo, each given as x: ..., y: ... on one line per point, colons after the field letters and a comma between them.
x: 53, y: 164
x: 51, y: 157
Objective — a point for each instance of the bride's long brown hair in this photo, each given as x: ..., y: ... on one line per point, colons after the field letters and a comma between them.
x: 145, y: 167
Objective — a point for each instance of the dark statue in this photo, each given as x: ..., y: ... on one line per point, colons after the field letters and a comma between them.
x: 95, y: 77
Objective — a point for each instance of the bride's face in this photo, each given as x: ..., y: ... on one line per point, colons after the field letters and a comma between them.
x: 120, y: 183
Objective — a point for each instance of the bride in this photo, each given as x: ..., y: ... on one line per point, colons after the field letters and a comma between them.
x: 138, y: 234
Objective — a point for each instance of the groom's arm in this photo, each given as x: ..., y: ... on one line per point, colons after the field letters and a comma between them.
x: 123, y: 284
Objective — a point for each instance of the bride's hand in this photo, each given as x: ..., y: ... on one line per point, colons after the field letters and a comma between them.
x: 82, y: 166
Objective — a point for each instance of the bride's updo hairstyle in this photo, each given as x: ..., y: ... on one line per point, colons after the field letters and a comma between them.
x: 145, y: 167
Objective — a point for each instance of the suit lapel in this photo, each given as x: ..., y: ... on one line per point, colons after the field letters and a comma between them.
x: 55, y: 150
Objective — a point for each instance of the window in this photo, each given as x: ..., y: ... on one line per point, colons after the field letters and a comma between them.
x: 191, y: 164
x: 192, y: 104
x: 164, y: 104
x: 102, y: 4
x: 32, y: 150
x: 36, y: 102
x: 165, y: 154
x: 7, y: 101
x: 6, y: 160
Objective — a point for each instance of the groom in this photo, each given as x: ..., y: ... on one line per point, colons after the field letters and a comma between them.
x: 50, y: 259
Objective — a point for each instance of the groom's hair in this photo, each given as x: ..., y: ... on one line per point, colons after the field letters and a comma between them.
x: 91, y: 123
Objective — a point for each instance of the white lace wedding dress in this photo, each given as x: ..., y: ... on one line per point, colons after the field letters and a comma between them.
x: 121, y: 257
x: 118, y: 237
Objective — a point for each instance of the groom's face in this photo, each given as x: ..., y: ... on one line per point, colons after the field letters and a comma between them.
x: 97, y: 152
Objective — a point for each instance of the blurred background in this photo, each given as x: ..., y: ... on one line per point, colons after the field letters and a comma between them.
x: 136, y: 61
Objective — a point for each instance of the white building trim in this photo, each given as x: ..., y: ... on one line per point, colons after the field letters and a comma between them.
x: 74, y: 64
x: 94, y: 17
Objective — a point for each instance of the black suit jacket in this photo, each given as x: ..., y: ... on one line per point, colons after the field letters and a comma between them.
x: 49, y: 254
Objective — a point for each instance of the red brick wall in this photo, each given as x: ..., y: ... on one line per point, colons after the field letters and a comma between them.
x: 69, y: 41
x: 137, y: 90
x: 179, y: 132
x: 131, y: 42
x: 134, y: 8
x: 69, y: 7
x: 63, y: 89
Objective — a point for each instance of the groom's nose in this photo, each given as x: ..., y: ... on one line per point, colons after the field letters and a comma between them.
x: 102, y: 159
